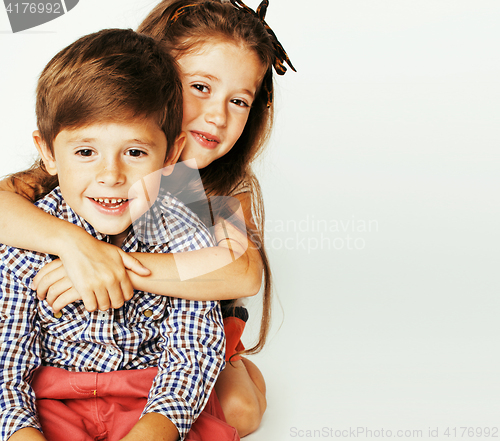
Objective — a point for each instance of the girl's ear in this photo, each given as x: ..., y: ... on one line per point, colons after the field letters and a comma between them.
x: 45, y: 153
x: 175, y: 153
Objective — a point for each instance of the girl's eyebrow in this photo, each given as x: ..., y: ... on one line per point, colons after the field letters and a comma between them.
x: 216, y: 79
x: 202, y: 74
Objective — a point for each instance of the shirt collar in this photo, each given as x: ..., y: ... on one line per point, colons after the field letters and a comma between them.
x: 151, y: 229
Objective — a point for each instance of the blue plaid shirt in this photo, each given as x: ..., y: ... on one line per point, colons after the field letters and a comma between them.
x: 183, y: 338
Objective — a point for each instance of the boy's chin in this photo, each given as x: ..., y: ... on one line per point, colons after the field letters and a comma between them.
x: 117, y: 239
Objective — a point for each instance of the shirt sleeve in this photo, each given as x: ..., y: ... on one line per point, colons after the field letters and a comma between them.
x: 191, y: 361
x: 19, y: 353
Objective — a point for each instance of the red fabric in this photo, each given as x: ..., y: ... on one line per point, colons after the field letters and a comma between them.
x: 87, y: 406
x: 233, y: 328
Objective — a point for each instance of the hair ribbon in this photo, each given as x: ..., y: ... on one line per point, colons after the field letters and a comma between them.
x: 281, y: 56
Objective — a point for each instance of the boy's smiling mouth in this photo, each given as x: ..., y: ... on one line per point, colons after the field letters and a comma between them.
x: 110, y: 205
x: 110, y: 202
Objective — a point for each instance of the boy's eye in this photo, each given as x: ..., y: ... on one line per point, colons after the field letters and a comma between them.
x: 136, y: 153
x: 84, y: 152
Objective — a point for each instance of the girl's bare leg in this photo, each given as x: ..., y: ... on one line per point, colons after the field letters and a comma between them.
x: 241, y: 390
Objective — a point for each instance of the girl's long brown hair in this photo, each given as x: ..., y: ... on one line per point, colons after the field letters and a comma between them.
x: 209, y: 20
x: 183, y: 33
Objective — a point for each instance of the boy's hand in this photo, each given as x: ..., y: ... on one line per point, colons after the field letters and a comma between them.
x: 27, y: 434
x: 153, y: 427
x: 96, y: 274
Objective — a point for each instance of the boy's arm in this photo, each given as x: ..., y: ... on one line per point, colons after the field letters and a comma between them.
x: 192, y: 358
x: 19, y: 347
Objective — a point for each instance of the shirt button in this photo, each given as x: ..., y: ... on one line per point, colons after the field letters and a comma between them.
x: 111, y: 350
x: 148, y: 313
x: 58, y: 315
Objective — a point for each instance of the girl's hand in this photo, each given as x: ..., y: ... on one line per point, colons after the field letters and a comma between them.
x: 95, y: 272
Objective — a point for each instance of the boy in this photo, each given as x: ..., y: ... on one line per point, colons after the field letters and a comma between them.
x: 109, y: 110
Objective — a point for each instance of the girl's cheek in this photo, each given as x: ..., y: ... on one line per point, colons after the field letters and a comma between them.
x: 190, y: 109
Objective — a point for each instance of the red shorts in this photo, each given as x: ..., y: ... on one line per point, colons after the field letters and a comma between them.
x: 235, y: 318
x: 87, y: 406
x: 233, y: 328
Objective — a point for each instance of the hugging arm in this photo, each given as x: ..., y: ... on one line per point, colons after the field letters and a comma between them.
x: 231, y: 270
x: 98, y: 270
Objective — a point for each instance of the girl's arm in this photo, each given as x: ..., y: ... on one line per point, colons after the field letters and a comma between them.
x: 231, y: 270
x: 97, y: 269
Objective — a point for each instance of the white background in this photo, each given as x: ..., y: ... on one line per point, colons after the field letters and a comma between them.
x: 392, y: 123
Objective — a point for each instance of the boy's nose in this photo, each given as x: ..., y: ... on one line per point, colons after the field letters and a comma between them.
x: 217, y: 114
x: 111, y: 174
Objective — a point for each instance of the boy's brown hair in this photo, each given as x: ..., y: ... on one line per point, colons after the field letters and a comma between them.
x: 111, y: 75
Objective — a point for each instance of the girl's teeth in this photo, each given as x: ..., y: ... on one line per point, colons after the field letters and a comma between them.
x: 203, y: 136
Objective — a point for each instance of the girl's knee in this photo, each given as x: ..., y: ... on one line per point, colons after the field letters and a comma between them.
x: 243, y: 410
x: 241, y: 390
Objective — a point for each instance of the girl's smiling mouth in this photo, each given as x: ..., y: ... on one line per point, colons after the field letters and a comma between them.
x: 206, y: 140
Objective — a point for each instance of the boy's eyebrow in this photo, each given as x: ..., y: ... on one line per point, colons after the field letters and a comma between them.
x: 134, y: 140
x: 146, y: 142
x: 77, y: 140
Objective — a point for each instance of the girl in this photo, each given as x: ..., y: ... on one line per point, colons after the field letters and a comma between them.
x: 225, y: 52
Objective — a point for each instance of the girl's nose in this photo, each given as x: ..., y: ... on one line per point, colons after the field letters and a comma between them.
x: 216, y: 114
x: 111, y: 174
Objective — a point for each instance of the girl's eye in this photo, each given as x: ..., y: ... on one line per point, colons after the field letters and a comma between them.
x: 240, y: 103
x: 201, y: 88
x: 84, y: 152
x: 136, y: 153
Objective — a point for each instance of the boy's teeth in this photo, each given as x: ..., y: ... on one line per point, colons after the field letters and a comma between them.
x: 110, y: 201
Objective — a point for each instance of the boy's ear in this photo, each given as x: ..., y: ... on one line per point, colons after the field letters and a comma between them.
x: 175, y: 153
x: 45, y: 153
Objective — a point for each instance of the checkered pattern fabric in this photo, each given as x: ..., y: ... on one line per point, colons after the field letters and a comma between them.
x: 185, y: 339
